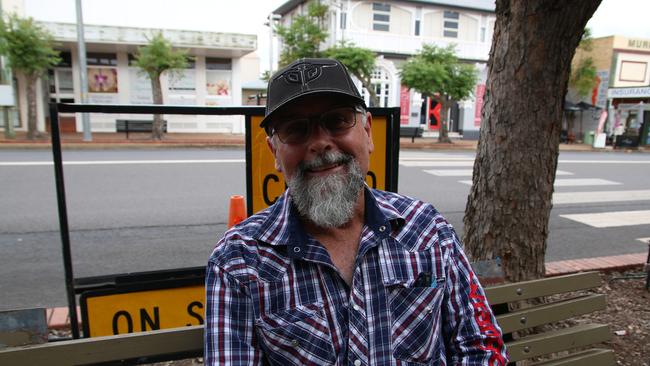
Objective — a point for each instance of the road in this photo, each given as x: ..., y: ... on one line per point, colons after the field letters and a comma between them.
x: 142, y: 210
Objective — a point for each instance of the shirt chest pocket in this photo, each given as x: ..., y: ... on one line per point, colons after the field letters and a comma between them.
x: 298, y: 336
x: 415, y: 323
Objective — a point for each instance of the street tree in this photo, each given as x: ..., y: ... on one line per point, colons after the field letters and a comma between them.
x: 154, y: 59
x: 509, y: 205
x: 359, y: 61
x: 304, y: 36
x: 583, y: 78
x: 304, y: 39
x: 437, y: 73
x: 29, y: 50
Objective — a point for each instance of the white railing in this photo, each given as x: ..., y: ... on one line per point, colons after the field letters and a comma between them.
x: 392, y: 43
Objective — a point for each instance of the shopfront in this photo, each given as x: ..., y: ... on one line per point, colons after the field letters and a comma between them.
x: 629, y: 116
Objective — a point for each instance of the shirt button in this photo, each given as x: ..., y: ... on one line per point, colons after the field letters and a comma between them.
x: 356, y: 307
x: 296, y: 250
x: 357, y: 362
x: 295, y: 343
x: 382, y: 229
x: 428, y: 309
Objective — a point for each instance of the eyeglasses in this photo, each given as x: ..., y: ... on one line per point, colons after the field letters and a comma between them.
x: 336, y: 122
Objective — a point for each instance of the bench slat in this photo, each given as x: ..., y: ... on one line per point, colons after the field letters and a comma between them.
x: 592, y: 357
x: 187, y: 340
x: 558, y: 340
x: 548, y: 313
x: 542, y: 287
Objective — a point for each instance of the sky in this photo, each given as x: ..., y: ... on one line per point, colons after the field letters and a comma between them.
x: 622, y: 17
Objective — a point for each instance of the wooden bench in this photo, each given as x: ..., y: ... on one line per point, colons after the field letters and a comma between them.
x: 577, y: 341
x: 136, y: 125
x: 178, y: 343
x: 410, y: 131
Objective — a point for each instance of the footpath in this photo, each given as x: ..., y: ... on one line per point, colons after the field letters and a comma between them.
x: 58, y: 317
x: 212, y: 140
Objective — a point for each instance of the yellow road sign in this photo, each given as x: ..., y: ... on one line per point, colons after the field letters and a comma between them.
x: 109, y: 313
x: 266, y: 184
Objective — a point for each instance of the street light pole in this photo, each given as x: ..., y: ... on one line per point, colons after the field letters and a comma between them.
x: 6, y: 77
x: 271, y: 23
x: 83, y: 72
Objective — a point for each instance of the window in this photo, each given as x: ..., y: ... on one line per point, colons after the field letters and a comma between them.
x: 344, y: 19
x: 483, y: 31
x: 381, y: 17
x: 381, y: 84
x: 212, y: 63
x: 218, y: 78
x: 418, y: 18
x: 450, y: 29
x: 101, y: 59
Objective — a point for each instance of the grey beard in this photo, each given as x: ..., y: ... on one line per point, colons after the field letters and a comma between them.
x: 327, y: 202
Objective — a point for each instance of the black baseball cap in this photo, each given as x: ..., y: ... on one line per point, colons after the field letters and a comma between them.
x: 308, y: 76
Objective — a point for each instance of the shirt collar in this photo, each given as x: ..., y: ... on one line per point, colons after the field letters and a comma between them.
x: 282, y: 227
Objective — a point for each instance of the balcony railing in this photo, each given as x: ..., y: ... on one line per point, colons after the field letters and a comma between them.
x: 392, y: 43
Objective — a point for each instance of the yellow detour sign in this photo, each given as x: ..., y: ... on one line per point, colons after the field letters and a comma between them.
x: 105, y: 313
x: 265, y: 184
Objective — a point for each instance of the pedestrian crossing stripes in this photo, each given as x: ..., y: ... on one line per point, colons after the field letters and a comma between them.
x: 430, y: 163
x: 612, y: 219
x: 577, y: 182
x: 600, y: 197
x: 468, y: 172
x: 462, y: 168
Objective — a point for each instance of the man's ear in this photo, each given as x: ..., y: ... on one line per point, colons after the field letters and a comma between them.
x: 274, y: 150
x: 368, y: 130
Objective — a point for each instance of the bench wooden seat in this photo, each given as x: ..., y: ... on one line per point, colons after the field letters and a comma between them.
x: 178, y: 343
x: 554, y: 340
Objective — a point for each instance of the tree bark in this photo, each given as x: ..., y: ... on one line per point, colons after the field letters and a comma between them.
x: 157, y: 130
x: 32, y: 129
x: 445, y: 103
x: 509, y: 204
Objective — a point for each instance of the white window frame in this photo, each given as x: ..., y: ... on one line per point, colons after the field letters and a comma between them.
x: 449, y: 18
x: 381, y: 11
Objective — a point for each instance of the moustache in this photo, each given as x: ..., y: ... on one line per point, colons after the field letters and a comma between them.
x: 325, y: 159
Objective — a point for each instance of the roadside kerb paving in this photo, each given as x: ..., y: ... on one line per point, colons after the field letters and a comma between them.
x: 106, y: 140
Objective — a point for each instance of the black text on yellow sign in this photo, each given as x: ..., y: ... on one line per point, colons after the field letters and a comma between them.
x: 121, y: 313
x: 267, y: 184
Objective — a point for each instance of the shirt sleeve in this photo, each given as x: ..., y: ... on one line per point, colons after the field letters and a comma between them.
x: 470, y: 326
x: 229, y: 329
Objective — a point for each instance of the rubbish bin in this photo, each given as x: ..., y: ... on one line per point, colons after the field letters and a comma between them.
x: 589, y: 138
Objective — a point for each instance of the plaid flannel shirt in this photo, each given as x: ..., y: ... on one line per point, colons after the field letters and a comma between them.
x: 275, y: 297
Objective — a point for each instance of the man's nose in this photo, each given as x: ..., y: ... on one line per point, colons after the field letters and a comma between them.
x: 319, y: 139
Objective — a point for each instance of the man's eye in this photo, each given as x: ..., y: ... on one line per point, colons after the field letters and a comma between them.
x: 334, y: 120
x: 293, y: 128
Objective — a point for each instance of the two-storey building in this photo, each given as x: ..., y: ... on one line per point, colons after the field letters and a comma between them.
x: 396, y: 30
x: 623, y: 66
x: 221, y: 66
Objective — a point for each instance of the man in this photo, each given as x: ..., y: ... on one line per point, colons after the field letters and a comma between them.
x: 335, y: 273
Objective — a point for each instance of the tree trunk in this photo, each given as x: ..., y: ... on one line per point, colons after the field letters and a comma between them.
x: 445, y: 103
x: 32, y: 130
x: 157, y: 130
x: 509, y: 204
